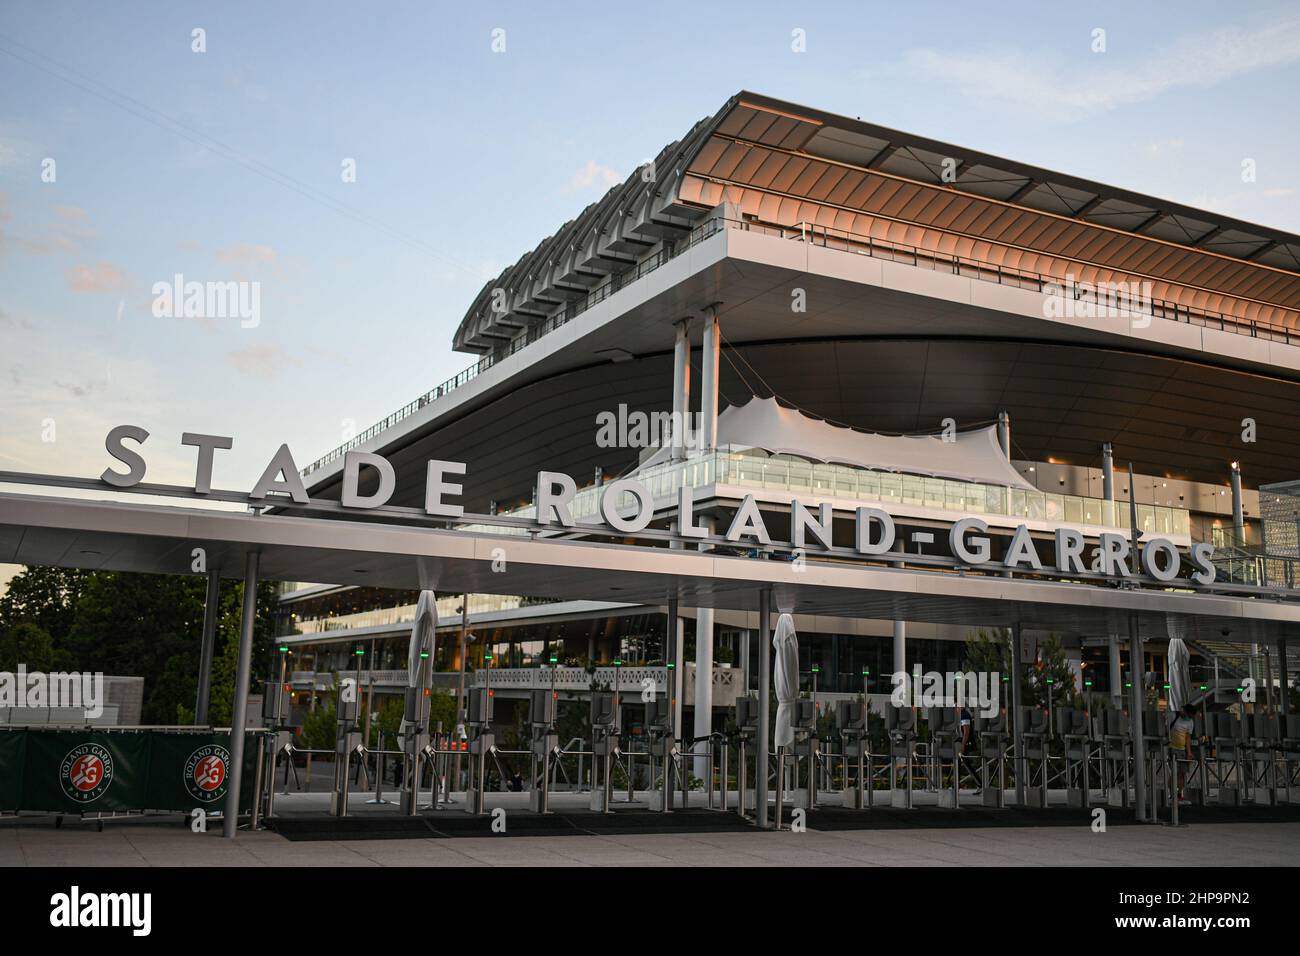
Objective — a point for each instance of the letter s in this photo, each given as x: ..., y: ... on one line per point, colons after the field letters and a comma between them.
x: 133, y: 461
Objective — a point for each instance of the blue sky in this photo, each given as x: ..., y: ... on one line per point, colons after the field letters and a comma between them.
x: 226, y: 165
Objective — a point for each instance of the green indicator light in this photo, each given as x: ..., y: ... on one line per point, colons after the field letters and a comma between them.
x: 618, y: 663
x: 1165, y: 686
x: 554, y: 659
x: 283, y: 649
x: 487, y: 656
x: 670, y: 666
x: 424, y: 655
x: 816, y: 669
x: 1204, y: 687
x: 866, y: 671
x: 1128, y: 683
x: 1087, y: 683
x: 360, y: 652
x: 1050, y: 681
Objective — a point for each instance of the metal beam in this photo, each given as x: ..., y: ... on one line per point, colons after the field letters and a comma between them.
x: 207, y: 646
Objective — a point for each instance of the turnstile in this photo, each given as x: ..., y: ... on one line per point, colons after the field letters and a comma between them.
x: 1289, y: 747
x: 1116, y: 751
x: 346, y: 741
x: 945, y: 745
x: 542, y: 745
x: 747, y: 725
x: 993, y: 740
x: 1035, y: 737
x: 663, y: 753
x: 604, y: 748
x: 900, y: 723
x: 1228, y: 737
x: 806, y: 746
x: 851, y: 720
x: 1075, y: 730
x: 481, y: 743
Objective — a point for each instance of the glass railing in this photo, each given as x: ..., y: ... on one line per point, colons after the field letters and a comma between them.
x: 405, y: 613
x: 753, y: 468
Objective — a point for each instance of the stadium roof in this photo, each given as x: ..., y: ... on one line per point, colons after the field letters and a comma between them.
x: 786, y: 164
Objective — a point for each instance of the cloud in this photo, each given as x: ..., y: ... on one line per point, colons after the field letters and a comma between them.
x: 70, y: 213
x: 261, y: 361
x: 1053, y: 88
x: 594, y: 174
x: 100, y: 277
x: 247, y: 255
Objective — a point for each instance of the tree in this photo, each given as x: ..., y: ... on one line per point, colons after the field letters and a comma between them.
x: 990, y: 652
x: 29, y: 644
x: 45, y: 597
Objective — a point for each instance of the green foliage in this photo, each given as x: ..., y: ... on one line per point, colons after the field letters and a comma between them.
x: 28, y: 643
x: 442, y: 708
x: 135, y: 625
x: 319, y: 727
x: 990, y: 651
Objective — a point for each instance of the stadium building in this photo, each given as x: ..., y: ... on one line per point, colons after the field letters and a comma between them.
x: 793, y: 305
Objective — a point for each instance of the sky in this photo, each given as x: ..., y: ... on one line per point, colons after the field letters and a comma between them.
x: 369, y: 167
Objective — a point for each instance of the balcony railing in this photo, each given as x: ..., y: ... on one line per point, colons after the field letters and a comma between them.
x: 754, y: 469
x: 828, y: 238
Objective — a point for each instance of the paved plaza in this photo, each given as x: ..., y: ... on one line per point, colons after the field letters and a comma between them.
x: 147, y: 843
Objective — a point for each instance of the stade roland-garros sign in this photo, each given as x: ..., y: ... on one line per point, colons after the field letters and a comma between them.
x: 810, y: 526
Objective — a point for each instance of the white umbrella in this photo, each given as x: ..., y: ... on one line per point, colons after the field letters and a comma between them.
x: 1180, y: 680
x: 424, y: 633
x: 785, y: 678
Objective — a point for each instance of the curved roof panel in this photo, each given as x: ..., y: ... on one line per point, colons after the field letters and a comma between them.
x: 786, y: 164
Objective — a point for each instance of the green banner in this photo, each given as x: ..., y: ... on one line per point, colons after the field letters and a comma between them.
x: 100, y: 771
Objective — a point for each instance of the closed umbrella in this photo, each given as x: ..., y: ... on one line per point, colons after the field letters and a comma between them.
x: 1180, y: 678
x: 785, y: 678
x: 424, y: 632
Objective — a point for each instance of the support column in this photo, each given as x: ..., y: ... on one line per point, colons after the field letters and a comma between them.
x: 764, y: 695
x: 708, y: 440
x: 900, y: 647
x: 1017, y: 724
x: 236, y: 770
x: 1116, y: 673
x: 1004, y: 433
x: 1284, y: 706
x: 673, y: 657
x: 207, y: 646
x: 681, y: 387
x: 1238, y: 516
x: 1136, y: 702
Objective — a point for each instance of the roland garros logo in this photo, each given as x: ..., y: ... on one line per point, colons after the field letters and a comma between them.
x: 205, y: 773
x: 86, y: 772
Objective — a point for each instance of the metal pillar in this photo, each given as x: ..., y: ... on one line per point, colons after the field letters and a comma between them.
x: 708, y: 437
x: 703, y: 685
x: 1116, y: 674
x: 236, y: 771
x: 1136, y: 702
x: 673, y: 655
x: 1238, y: 516
x: 900, y: 647
x: 681, y: 387
x: 1284, y: 707
x: 764, y: 710
x: 207, y: 646
x: 1018, y: 723
x: 1107, y: 472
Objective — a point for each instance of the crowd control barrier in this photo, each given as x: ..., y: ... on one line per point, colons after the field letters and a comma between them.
x: 108, y: 771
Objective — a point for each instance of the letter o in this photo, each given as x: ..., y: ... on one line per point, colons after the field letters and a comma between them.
x: 1152, y: 567
x: 609, y: 505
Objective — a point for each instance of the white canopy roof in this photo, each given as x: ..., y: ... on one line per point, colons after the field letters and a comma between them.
x: 762, y: 423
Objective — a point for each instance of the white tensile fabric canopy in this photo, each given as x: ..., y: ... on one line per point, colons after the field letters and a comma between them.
x: 762, y: 423
x: 424, y: 631
x: 785, y: 678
